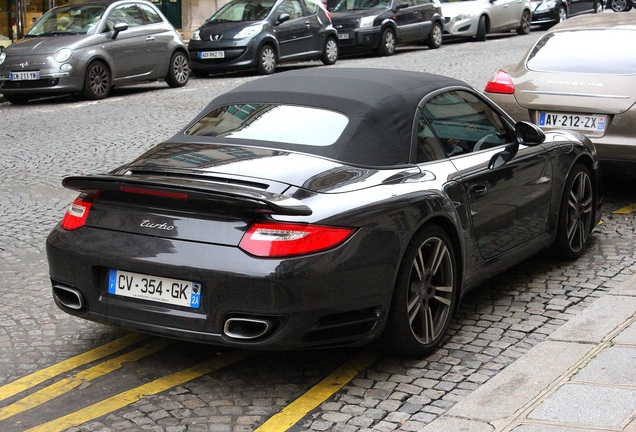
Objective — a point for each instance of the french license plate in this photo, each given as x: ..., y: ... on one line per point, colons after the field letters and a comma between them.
x: 343, y: 36
x: 581, y: 122
x: 212, y: 54
x: 165, y: 290
x: 24, y: 76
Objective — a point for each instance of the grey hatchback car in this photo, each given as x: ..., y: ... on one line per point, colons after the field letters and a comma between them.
x: 88, y: 48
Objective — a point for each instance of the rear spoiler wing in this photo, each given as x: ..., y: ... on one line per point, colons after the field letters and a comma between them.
x: 244, y: 197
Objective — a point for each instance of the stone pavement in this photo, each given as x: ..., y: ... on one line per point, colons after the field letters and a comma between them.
x: 582, y: 378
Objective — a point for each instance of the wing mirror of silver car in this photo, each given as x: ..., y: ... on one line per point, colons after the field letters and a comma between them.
x: 528, y: 134
x: 118, y: 28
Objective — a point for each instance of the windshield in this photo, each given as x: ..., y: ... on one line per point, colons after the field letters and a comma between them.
x: 243, y: 10
x: 559, y: 52
x: 351, y: 5
x: 67, y: 20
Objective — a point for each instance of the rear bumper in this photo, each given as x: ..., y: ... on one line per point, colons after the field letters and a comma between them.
x: 336, y: 298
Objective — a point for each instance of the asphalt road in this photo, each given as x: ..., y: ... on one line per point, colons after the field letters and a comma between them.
x: 62, y: 373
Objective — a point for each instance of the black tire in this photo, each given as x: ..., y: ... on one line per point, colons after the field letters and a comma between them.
x: 266, y: 64
x: 620, y: 5
x: 17, y: 99
x: 525, y: 25
x: 178, y: 70
x: 435, y: 37
x: 425, y: 295
x: 562, y: 15
x: 481, y: 29
x: 598, y: 7
x: 330, y: 52
x: 97, y: 81
x: 387, y: 42
x: 576, y: 214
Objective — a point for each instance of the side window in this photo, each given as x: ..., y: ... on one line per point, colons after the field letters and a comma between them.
x: 464, y: 123
x: 128, y: 14
x: 428, y: 147
x: 150, y: 15
x: 292, y: 7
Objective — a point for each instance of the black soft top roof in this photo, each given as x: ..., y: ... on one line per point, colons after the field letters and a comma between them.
x: 380, y: 104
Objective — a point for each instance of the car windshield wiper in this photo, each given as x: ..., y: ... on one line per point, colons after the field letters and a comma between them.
x: 54, y: 33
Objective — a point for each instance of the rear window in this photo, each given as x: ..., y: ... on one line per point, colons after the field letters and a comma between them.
x: 289, y: 124
x: 585, y: 51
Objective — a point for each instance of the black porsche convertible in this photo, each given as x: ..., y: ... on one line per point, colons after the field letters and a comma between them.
x: 320, y: 208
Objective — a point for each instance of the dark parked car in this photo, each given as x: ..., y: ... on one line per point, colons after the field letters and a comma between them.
x: 380, y: 25
x: 88, y: 48
x: 314, y: 208
x: 259, y: 34
x: 547, y: 13
x: 559, y: 87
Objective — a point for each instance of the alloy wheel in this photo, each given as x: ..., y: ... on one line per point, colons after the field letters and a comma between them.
x: 580, y: 211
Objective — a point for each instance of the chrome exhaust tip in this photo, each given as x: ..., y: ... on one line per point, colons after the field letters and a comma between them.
x: 69, y: 297
x: 246, y: 328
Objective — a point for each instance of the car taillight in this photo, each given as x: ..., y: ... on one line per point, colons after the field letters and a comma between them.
x: 272, y: 239
x: 77, y: 212
x: 501, y: 83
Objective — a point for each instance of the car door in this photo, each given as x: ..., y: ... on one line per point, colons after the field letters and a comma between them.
x: 294, y: 35
x: 407, y: 19
x: 500, y: 12
x: 134, y: 51
x: 509, y: 204
x: 425, y: 10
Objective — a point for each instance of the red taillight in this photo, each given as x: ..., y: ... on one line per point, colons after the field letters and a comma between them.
x: 77, y: 212
x: 272, y: 239
x: 501, y: 83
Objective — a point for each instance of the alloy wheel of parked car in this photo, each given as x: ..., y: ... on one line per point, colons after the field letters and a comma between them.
x: 97, y: 81
x: 563, y: 14
x: 266, y: 60
x: 435, y: 37
x: 424, y: 296
x: 576, y: 215
x: 481, y: 29
x: 178, y: 71
x: 526, y: 23
x: 620, y: 5
x: 387, y: 42
x: 598, y: 7
x: 330, y: 52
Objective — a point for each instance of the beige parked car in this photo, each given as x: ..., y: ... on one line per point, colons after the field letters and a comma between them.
x: 580, y: 75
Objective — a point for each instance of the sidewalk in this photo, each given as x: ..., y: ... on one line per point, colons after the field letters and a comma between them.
x: 582, y: 378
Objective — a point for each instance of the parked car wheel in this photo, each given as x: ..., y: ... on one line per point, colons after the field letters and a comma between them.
x: 178, y: 70
x: 563, y: 15
x: 576, y: 215
x: 97, y: 81
x: 266, y: 60
x: 526, y: 23
x: 387, y: 42
x: 620, y: 5
x: 481, y: 29
x: 330, y: 52
x: 435, y: 37
x: 598, y: 7
x: 17, y: 99
x: 425, y: 294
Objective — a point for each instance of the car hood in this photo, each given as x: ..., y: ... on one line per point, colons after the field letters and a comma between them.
x: 274, y: 170
x: 228, y: 29
x: 352, y: 15
x: 451, y: 10
x: 592, y: 93
x: 46, y: 45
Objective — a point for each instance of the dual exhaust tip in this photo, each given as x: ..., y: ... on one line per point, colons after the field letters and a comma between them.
x: 237, y: 327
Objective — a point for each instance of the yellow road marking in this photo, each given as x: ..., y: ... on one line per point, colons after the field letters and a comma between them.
x: 40, y: 376
x: 292, y: 413
x: 133, y: 395
x: 68, y: 384
x: 626, y: 210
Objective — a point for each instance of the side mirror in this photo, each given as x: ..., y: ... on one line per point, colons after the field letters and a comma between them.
x: 401, y: 6
x: 118, y: 28
x: 282, y: 18
x: 528, y: 134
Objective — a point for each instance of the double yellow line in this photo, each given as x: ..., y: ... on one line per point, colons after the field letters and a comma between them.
x: 282, y: 421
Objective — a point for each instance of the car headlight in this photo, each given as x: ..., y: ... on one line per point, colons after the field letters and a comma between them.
x: 546, y: 5
x: 367, y: 21
x: 63, y: 55
x: 465, y: 15
x: 3, y: 55
x: 196, y: 35
x: 249, y: 31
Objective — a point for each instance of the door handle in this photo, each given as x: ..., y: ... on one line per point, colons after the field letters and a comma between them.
x: 150, y: 38
x: 478, y: 190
